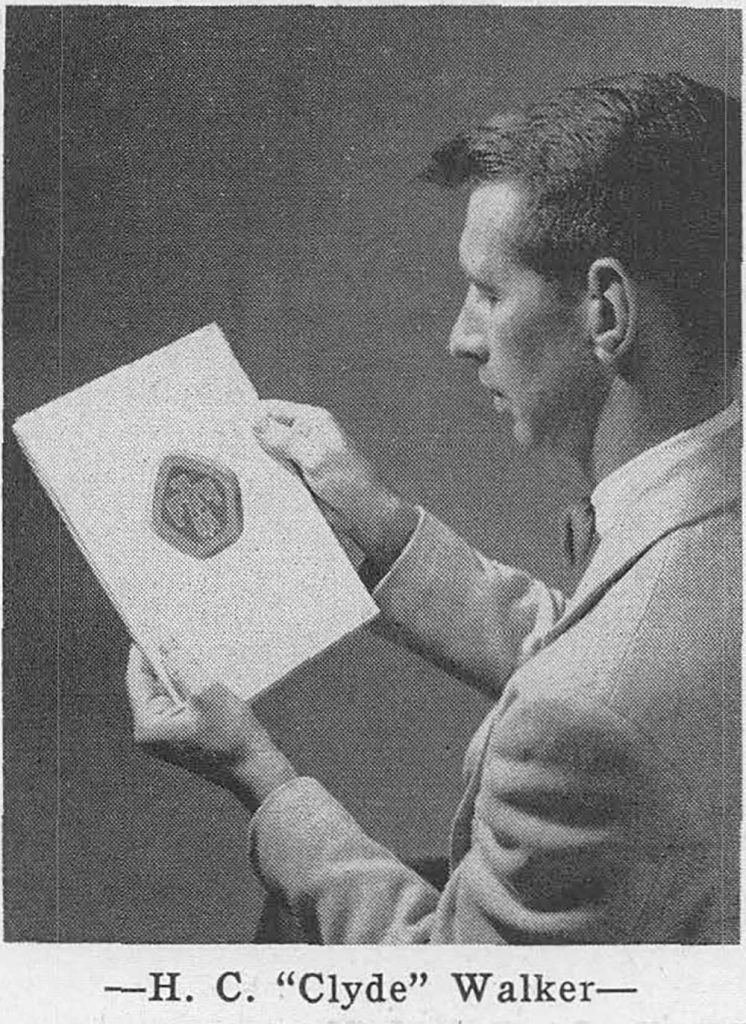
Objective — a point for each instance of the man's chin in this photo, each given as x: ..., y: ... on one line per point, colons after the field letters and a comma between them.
x: 533, y: 433
x: 524, y: 434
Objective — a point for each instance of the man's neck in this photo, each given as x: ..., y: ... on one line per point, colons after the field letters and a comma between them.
x: 632, y: 421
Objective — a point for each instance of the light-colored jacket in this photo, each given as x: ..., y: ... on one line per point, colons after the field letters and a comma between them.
x: 602, y: 791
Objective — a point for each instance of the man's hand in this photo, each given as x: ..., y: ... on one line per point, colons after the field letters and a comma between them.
x: 341, y: 480
x: 213, y: 734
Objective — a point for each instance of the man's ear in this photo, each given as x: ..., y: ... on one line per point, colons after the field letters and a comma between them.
x: 613, y: 310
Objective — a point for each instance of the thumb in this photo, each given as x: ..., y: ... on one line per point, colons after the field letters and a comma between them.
x: 287, y: 445
x: 184, y: 670
x: 143, y: 686
x: 273, y: 436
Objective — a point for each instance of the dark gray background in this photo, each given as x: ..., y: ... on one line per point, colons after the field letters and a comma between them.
x: 255, y: 167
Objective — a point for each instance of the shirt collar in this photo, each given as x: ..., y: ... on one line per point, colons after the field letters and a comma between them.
x: 618, y: 493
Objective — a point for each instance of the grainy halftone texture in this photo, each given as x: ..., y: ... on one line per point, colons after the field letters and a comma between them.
x: 170, y: 167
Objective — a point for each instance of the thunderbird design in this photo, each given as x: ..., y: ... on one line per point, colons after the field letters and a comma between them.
x: 197, y: 505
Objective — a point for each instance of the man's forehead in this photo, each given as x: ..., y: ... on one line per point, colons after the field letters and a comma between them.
x: 493, y: 219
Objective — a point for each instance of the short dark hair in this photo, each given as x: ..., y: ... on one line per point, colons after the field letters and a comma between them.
x: 645, y: 168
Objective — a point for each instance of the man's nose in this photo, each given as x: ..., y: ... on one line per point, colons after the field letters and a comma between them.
x: 467, y: 338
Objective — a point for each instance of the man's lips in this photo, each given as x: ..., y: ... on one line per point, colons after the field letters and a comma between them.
x: 499, y: 399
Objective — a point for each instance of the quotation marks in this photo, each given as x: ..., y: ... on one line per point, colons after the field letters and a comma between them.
x: 288, y: 978
x: 317, y: 987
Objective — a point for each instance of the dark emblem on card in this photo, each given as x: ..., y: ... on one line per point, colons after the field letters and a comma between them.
x: 197, y: 505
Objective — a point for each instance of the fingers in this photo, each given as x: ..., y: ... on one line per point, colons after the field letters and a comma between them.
x: 271, y: 433
x: 275, y: 437
x: 285, y: 412
x: 286, y: 443
x: 147, y: 696
x: 275, y: 415
x: 142, y: 684
x: 183, y: 668
x: 187, y: 673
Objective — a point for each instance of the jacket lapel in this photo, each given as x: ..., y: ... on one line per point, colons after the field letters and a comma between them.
x: 699, y: 487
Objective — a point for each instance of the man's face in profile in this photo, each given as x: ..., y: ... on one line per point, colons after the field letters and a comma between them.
x: 531, y: 340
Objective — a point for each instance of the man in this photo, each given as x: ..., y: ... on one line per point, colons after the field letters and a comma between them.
x: 602, y: 799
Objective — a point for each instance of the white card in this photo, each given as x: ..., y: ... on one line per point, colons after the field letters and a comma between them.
x: 195, y: 533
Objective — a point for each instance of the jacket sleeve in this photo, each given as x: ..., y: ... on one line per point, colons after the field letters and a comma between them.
x: 475, y: 618
x: 568, y: 832
x: 564, y: 843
